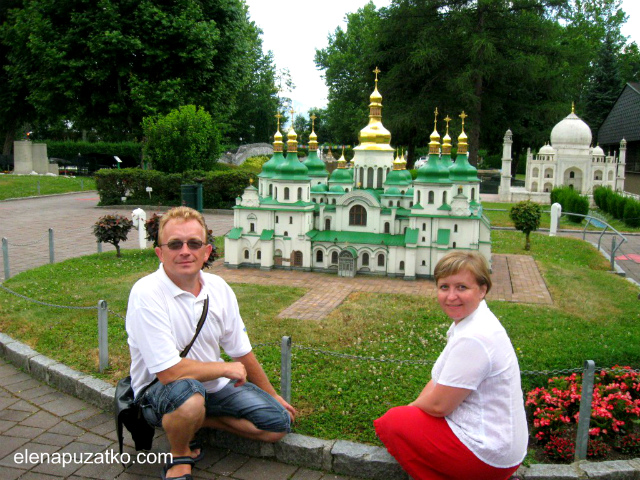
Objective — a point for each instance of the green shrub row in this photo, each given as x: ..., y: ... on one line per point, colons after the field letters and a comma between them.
x: 70, y: 150
x: 623, y: 208
x: 571, y: 201
x: 219, y: 188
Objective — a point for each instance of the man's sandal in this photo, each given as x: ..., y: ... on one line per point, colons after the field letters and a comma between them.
x: 174, y: 462
x: 196, y: 445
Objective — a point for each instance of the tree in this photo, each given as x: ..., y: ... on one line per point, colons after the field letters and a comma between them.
x: 112, y: 229
x: 105, y: 65
x: 184, y: 139
x: 526, y: 218
x: 604, y: 86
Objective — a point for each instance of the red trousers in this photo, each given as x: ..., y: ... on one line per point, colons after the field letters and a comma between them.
x: 427, y: 449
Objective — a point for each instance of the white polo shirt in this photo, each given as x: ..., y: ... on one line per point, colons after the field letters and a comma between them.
x: 491, y: 421
x: 162, y: 319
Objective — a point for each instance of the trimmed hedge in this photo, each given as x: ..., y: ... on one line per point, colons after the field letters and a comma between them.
x: 571, y: 201
x: 220, y: 188
x: 622, y: 208
x: 70, y: 150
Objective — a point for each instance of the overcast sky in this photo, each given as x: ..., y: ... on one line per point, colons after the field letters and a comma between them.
x: 294, y: 29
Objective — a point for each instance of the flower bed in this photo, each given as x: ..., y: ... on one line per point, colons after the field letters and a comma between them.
x: 615, y: 414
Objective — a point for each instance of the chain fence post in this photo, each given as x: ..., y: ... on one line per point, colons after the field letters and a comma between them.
x: 285, y: 368
x: 582, y: 436
x: 103, y: 336
x: 5, y: 257
x: 613, y: 250
x: 51, y: 255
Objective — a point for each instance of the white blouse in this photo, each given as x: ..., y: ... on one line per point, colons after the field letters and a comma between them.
x: 491, y: 421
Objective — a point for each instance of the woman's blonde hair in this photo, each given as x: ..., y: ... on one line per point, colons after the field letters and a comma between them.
x: 182, y: 214
x: 474, y: 262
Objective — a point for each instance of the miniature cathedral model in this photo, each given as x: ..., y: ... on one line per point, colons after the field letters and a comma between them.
x: 368, y: 219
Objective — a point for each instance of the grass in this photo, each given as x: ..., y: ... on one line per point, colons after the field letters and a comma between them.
x: 595, y: 315
x: 19, y: 186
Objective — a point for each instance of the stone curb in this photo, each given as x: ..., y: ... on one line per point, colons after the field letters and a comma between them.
x: 47, y: 196
x: 338, y: 456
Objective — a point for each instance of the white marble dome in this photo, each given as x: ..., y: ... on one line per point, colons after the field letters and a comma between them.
x: 597, y: 151
x: 547, y: 150
x: 571, y: 132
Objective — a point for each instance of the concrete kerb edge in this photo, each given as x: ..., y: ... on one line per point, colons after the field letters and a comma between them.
x: 48, y: 196
x: 338, y: 456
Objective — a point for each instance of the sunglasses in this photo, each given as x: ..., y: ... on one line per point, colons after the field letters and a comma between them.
x: 193, y: 244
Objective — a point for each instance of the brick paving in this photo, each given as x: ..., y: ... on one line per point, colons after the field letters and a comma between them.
x: 37, y: 419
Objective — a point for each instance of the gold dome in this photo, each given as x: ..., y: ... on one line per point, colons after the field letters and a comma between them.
x: 342, y: 161
x: 374, y: 136
x: 434, y: 144
x: 397, y: 162
x: 446, y: 140
x: 462, y: 139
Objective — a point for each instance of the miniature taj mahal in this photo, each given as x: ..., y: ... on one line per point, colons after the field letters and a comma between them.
x: 369, y: 217
x: 569, y: 160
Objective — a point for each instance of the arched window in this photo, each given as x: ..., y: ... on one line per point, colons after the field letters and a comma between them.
x: 454, y: 244
x: 572, y: 174
x: 473, y: 194
x: 358, y: 215
x: 418, y: 196
x: 387, y: 227
x: 424, y: 227
x: 391, y: 203
x: 365, y: 259
x: 405, y: 230
x: 379, y: 184
x: 286, y: 193
x: 381, y: 260
x: 431, y: 195
x: 259, y: 255
x: 252, y: 227
x: 319, y: 256
x: 327, y: 224
x: 459, y: 190
x: 334, y: 258
x: 410, y: 204
x: 424, y: 264
x: 398, y: 204
x: 286, y: 234
x: 455, y: 228
x: 444, y: 197
x: 246, y: 254
x: 290, y: 220
x: 276, y: 218
x: 270, y: 190
x: 299, y: 193
x: 402, y: 266
x: 334, y: 201
x: 313, y: 200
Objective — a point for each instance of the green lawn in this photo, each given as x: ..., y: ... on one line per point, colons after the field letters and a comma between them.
x: 595, y: 315
x: 19, y: 186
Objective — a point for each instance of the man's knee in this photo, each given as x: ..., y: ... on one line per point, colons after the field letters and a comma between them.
x: 190, y: 411
x: 272, y: 437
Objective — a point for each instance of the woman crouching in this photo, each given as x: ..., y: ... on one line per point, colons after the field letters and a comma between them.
x: 469, y: 420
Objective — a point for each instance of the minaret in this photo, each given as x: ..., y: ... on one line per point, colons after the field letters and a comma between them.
x: 621, y: 166
x: 374, y: 155
x: 505, y: 179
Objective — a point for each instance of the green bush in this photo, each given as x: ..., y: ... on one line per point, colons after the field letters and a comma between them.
x: 254, y: 164
x: 526, y: 217
x: 184, y: 139
x: 631, y: 215
x: 571, y: 201
x: 69, y: 150
x: 220, y: 187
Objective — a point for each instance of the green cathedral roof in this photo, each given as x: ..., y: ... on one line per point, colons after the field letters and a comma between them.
x: 315, y: 166
x: 291, y: 169
x: 397, y: 177
x: 341, y: 175
x: 269, y: 168
x: 434, y: 171
x: 463, y: 171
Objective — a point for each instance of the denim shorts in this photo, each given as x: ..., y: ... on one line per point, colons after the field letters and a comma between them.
x: 246, y: 401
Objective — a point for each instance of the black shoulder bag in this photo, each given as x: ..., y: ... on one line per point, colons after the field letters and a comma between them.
x: 127, y: 409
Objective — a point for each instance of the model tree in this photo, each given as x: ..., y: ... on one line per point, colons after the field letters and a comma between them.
x: 526, y: 217
x: 112, y: 229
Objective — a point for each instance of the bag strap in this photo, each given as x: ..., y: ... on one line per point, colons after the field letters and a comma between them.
x: 203, y: 317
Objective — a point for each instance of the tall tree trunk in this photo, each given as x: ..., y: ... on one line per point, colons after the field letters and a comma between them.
x: 8, y: 141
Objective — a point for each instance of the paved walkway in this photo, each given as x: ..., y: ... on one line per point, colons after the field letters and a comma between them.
x: 36, y: 420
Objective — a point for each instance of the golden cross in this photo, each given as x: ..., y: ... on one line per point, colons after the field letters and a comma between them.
x: 435, y: 119
x: 376, y: 71
x: 463, y: 116
x: 313, y: 121
x: 573, y: 107
x: 447, y: 119
x: 278, y: 116
x: 292, y: 111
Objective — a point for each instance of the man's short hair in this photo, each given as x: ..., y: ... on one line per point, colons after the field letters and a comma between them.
x: 182, y: 214
x: 474, y: 262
